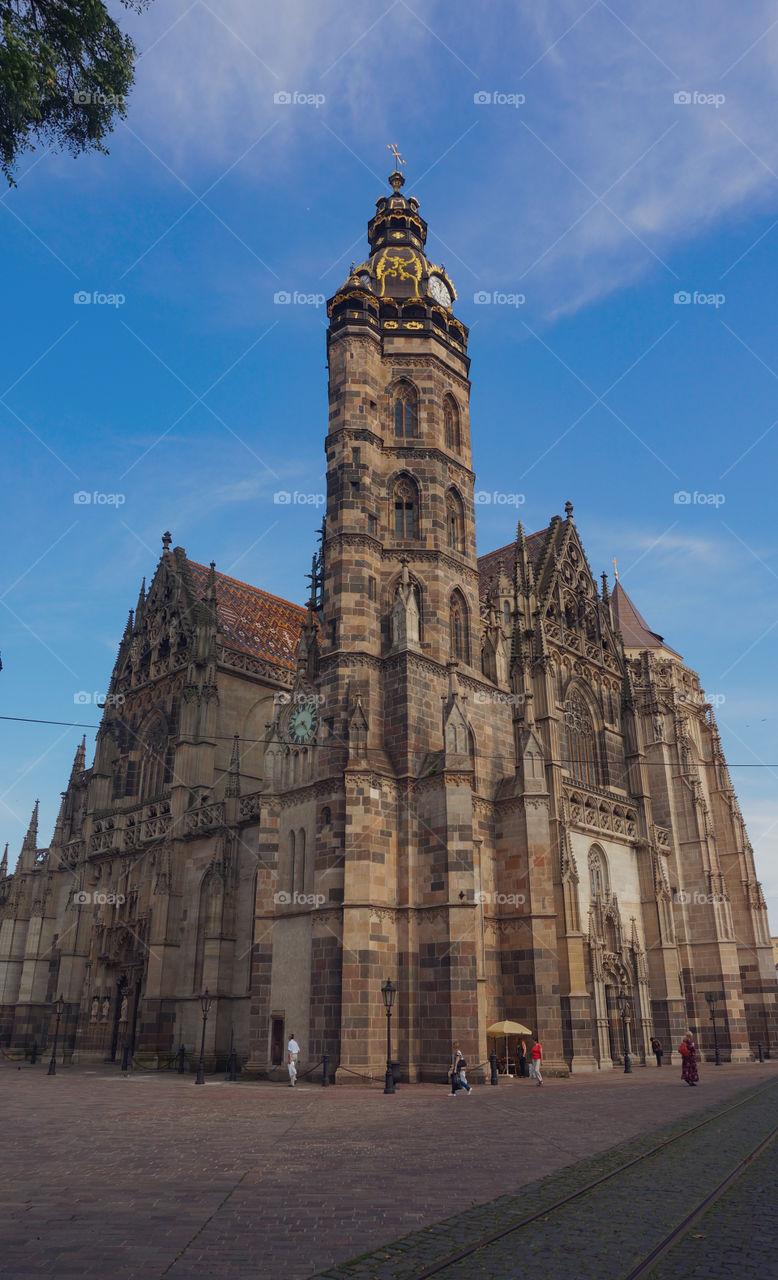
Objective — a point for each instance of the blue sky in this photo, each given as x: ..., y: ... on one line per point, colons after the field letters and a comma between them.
x: 582, y: 189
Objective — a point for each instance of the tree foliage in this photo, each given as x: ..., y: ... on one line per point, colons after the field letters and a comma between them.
x: 66, y: 68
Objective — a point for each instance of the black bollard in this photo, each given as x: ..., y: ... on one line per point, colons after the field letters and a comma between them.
x: 761, y: 1053
x: 233, y: 1066
x: 181, y: 1057
x: 325, y: 1070
x: 34, y: 1054
x: 493, y: 1066
x: 125, y: 1059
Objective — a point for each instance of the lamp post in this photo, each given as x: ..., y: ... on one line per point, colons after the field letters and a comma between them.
x: 388, y: 991
x: 712, y: 998
x: 59, y: 1005
x: 624, y: 1007
x: 205, y: 1004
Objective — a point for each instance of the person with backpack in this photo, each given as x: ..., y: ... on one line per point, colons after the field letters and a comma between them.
x: 656, y: 1047
x: 458, y: 1077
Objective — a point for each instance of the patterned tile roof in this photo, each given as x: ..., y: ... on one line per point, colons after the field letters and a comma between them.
x: 489, y: 564
x: 251, y: 620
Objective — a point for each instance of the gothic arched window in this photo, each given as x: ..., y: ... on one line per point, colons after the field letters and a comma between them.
x: 405, y: 509
x: 405, y: 410
x: 451, y: 424
x: 458, y: 629
x: 156, y: 759
x: 455, y: 521
x: 581, y: 741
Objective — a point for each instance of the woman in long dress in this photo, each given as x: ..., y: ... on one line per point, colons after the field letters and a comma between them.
x: 688, y: 1052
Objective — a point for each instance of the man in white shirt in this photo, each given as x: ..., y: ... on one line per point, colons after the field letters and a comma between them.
x: 293, y: 1049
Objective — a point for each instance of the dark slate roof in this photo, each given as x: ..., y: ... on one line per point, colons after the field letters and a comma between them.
x: 489, y: 564
x: 251, y: 620
x: 635, y: 631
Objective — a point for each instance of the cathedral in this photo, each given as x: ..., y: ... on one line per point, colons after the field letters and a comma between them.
x: 484, y: 777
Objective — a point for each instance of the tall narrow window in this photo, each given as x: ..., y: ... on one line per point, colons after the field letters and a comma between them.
x: 404, y: 509
x: 451, y: 424
x: 301, y: 868
x: 458, y: 628
x: 405, y: 410
x: 292, y: 859
x: 581, y: 741
x: 154, y: 755
x: 455, y: 521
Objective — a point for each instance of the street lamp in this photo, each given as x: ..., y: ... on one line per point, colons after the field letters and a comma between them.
x: 205, y: 1004
x: 624, y: 1007
x: 712, y: 998
x: 388, y: 991
x: 59, y: 1005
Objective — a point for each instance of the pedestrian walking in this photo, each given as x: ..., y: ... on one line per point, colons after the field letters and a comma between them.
x: 458, y: 1069
x: 522, y: 1058
x: 292, y: 1050
x: 537, y: 1059
x: 656, y: 1047
x: 688, y: 1052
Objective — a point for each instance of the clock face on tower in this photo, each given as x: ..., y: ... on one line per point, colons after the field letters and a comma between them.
x: 439, y: 291
x: 303, y: 721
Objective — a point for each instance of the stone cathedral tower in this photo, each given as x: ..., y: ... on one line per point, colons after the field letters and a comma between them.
x: 388, y: 753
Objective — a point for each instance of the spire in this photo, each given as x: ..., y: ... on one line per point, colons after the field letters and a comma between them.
x: 79, y: 760
x: 31, y: 839
x: 605, y: 592
x: 128, y: 629
x: 634, y: 629
x: 4, y: 864
x: 525, y: 576
x: 141, y: 600
x: 210, y: 586
x: 29, y: 852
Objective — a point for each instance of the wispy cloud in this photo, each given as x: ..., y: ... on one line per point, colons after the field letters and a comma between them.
x: 621, y: 173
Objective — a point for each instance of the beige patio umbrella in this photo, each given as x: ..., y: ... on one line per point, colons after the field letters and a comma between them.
x: 507, y: 1028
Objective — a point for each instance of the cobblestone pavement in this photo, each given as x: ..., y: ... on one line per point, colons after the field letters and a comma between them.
x: 738, y: 1236
x: 152, y: 1176
x: 600, y: 1236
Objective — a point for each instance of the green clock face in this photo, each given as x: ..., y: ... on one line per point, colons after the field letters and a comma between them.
x: 303, y: 721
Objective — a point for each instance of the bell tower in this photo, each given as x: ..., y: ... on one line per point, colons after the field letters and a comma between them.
x: 400, y: 528
x: 399, y: 628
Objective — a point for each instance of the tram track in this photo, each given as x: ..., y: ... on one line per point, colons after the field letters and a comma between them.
x: 643, y: 1268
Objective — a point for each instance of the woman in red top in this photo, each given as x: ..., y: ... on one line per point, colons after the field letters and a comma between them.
x: 688, y: 1052
x: 537, y: 1059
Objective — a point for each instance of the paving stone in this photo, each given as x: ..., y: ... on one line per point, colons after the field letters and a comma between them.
x: 161, y: 1178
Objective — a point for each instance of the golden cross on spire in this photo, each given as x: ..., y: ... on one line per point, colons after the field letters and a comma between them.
x: 615, y: 569
x: 398, y: 160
